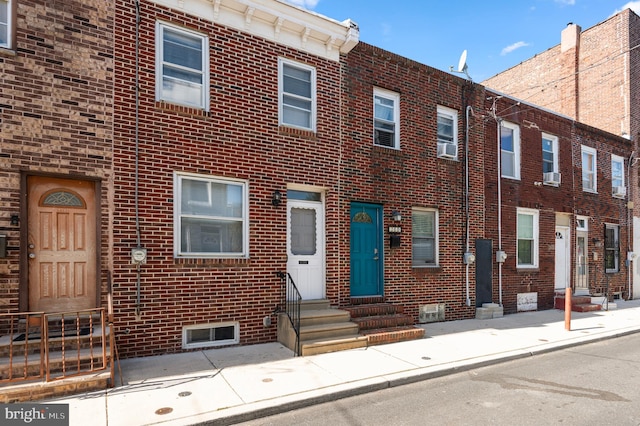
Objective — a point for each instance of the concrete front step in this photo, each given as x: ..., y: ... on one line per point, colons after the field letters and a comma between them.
x: 310, y: 317
x: 321, y: 346
x: 334, y: 330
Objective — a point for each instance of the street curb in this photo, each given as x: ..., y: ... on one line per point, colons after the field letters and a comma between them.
x: 389, y: 381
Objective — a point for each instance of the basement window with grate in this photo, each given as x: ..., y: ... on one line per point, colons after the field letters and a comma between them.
x: 206, y: 335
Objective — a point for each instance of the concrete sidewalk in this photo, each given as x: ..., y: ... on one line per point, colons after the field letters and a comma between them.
x: 230, y: 385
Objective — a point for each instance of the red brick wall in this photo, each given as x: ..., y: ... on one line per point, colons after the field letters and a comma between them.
x: 56, y: 114
x: 549, y: 200
x: 238, y: 138
x: 412, y: 176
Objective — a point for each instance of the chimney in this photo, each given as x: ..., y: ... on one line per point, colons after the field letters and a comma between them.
x: 570, y: 37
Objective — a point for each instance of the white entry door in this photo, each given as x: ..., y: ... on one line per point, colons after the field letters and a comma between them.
x: 563, y: 256
x: 305, y: 247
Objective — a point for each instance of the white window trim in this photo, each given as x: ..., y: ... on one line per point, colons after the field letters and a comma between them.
x: 453, y: 114
x: 616, y: 228
x: 177, y: 176
x: 9, y: 24
x: 536, y: 237
x: 588, y: 150
x: 395, y: 97
x: 436, y: 237
x: 314, y: 98
x: 618, y: 159
x: 584, y: 220
x: 516, y: 150
x: 211, y: 343
x: 203, y: 102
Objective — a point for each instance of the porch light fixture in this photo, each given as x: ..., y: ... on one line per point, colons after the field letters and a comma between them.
x: 396, y: 216
x: 15, y: 220
x: 276, y: 198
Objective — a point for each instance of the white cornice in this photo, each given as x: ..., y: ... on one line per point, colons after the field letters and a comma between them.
x: 277, y: 21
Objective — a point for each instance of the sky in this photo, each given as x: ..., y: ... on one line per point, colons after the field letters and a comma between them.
x: 497, y: 34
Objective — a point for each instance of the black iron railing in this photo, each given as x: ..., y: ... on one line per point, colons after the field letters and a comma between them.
x: 291, y: 300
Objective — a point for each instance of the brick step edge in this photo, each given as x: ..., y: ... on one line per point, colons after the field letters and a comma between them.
x: 377, y: 309
x: 393, y: 335
x: 383, y: 322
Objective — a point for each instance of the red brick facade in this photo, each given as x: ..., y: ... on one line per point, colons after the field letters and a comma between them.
x: 69, y: 108
x: 56, y: 112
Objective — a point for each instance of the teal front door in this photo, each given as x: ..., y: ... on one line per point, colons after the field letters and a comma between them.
x: 366, y: 250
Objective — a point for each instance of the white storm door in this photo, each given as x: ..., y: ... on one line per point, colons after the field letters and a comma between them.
x: 305, y: 247
x: 563, y: 264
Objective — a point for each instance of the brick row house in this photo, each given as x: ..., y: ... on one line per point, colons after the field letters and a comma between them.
x: 592, y: 76
x: 214, y: 152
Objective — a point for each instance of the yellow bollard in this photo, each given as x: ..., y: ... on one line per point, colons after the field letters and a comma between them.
x: 567, y: 309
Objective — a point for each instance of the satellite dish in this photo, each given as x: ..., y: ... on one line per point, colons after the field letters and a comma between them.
x: 462, y: 63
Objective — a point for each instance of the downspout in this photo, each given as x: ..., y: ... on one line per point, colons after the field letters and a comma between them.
x: 466, y: 183
x: 137, y: 156
x: 629, y: 224
x: 499, y: 157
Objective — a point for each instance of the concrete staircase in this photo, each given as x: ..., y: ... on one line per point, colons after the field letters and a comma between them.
x: 578, y: 303
x: 382, y: 322
x: 75, y: 364
x: 322, y: 329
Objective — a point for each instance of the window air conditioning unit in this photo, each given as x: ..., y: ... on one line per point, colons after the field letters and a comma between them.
x: 619, y: 191
x: 447, y: 150
x: 552, y: 178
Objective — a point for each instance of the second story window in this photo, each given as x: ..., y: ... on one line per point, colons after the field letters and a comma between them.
x: 589, y: 170
x: 386, y: 118
x: 6, y: 23
x: 447, y: 132
x: 510, y: 150
x: 550, y: 164
x: 617, y: 177
x: 182, y: 66
x: 297, y: 91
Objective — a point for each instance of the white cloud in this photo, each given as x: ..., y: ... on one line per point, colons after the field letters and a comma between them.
x: 568, y: 2
x: 307, y: 4
x: 513, y: 47
x: 633, y: 5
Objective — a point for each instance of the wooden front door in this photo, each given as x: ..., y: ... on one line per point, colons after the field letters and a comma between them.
x: 62, y: 244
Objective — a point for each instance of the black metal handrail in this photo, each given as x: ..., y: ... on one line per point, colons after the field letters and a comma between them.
x: 292, y: 301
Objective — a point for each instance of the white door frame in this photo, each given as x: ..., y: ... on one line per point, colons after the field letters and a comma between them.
x: 562, y: 258
x: 308, y: 270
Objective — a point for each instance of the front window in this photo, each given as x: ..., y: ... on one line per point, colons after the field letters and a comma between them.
x: 550, y: 172
x: 527, y: 244
x: 589, y: 171
x: 386, y: 121
x: 447, y: 132
x: 424, y: 230
x: 617, y: 177
x: 6, y: 24
x: 297, y: 91
x: 612, y: 248
x: 182, y: 65
x: 210, y: 217
x: 510, y: 150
